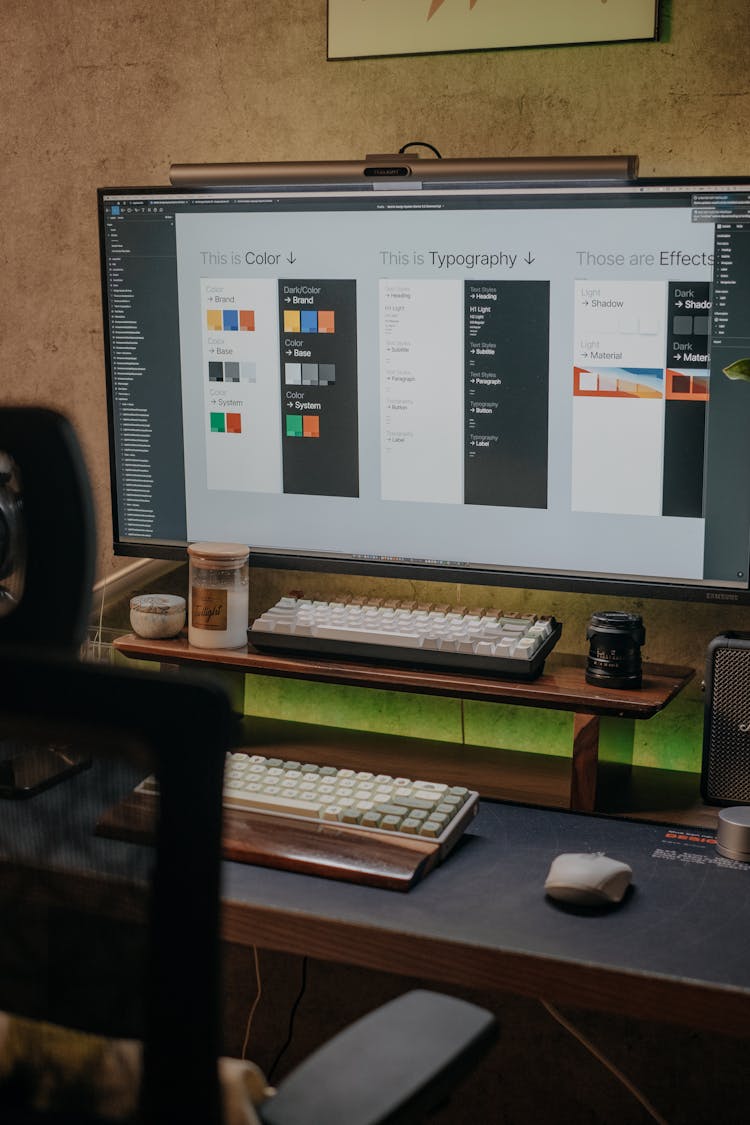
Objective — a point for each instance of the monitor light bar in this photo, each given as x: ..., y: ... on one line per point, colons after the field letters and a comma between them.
x: 379, y: 167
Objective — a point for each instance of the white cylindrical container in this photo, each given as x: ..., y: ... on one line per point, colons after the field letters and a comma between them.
x: 218, y: 602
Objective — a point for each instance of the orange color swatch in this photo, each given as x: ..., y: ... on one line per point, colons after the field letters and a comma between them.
x: 234, y: 423
x: 687, y: 385
x: 247, y: 320
x: 310, y: 425
x: 326, y: 320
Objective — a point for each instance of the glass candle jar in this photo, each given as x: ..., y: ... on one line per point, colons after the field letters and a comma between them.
x: 218, y: 602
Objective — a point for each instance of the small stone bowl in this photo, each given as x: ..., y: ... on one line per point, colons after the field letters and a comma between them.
x: 155, y: 616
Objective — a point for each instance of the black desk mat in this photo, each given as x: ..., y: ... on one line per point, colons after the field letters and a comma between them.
x: 687, y: 915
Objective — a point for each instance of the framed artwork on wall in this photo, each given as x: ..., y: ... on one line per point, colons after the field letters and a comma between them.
x: 360, y: 28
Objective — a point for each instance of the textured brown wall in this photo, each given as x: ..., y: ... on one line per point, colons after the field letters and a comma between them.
x: 106, y: 92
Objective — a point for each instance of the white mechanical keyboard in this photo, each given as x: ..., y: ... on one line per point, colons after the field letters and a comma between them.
x: 502, y: 644
x: 381, y: 803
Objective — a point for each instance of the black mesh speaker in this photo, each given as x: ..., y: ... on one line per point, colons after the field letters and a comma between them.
x: 725, y: 778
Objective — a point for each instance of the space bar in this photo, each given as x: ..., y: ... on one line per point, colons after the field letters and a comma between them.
x: 271, y: 802
x: 361, y: 636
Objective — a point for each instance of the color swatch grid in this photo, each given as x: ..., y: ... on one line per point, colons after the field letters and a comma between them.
x: 230, y: 372
x: 222, y: 423
x: 230, y: 320
x: 309, y: 320
x: 303, y: 425
x: 310, y: 374
x: 684, y: 325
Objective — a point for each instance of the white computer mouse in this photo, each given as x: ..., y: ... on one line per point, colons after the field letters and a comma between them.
x: 587, y: 879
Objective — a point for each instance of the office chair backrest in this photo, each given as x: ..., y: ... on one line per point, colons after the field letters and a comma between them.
x: 46, y: 531
x: 55, y: 869
x: 64, y: 889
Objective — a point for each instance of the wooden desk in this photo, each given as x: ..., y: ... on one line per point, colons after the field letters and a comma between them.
x: 674, y: 950
x: 561, y: 687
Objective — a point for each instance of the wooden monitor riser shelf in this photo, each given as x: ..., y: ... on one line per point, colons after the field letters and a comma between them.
x: 562, y: 687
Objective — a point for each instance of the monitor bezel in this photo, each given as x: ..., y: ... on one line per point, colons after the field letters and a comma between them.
x: 472, y: 174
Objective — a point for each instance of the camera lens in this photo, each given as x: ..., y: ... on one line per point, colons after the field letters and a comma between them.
x: 615, y: 641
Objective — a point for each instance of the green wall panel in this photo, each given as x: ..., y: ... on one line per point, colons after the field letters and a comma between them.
x: 389, y: 712
x: 670, y: 740
x: 673, y: 739
x: 535, y: 729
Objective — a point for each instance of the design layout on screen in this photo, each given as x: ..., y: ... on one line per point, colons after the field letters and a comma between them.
x: 491, y: 378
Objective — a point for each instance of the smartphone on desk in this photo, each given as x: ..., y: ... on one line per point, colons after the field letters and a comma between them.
x: 26, y: 768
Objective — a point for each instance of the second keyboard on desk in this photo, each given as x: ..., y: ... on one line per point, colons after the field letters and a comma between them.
x: 502, y: 644
x: 348, y: 824
x: 379, y: 802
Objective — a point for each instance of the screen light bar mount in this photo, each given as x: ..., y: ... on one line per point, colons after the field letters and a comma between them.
x: 409, y: 166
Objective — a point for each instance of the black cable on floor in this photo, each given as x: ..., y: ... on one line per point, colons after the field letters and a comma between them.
x: 292, y: 1014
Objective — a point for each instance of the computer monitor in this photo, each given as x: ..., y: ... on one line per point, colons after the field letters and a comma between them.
x: 450, y: 374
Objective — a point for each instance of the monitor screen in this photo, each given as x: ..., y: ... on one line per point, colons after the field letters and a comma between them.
x: 509, y: 383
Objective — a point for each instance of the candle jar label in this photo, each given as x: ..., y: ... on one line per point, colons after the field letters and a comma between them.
x: 209, y: 609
